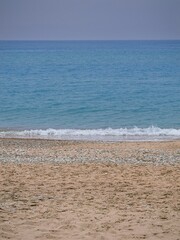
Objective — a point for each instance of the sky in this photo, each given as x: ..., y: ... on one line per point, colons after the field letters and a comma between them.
x: 89, y: 19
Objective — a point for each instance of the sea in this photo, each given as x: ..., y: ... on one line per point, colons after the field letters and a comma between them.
x: 90, y: 90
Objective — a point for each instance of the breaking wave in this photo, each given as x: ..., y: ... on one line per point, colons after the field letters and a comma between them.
x: 108, y: 134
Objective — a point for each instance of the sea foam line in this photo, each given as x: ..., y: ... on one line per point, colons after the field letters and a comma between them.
x: 151, y: 133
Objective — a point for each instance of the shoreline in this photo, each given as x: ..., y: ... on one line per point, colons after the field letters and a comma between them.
x: 94, y: 140
x: 74, y: 140
x: 151, y: 133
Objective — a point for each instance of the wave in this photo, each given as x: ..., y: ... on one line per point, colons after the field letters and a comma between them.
x: 109, y: 134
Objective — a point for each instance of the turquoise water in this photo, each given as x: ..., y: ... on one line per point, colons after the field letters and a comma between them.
x: 90, y: 89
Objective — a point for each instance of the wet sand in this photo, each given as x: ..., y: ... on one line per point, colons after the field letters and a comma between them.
x: 89, y: 190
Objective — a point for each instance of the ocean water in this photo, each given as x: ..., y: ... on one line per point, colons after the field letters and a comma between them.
x: 92, y: 90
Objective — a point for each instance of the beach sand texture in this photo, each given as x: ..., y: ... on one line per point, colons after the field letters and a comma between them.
x: 89, y: 190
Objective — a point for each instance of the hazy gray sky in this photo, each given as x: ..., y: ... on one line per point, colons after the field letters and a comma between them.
x: 89, y: 19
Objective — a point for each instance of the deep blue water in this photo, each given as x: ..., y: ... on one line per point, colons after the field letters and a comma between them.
x: 106, y: 85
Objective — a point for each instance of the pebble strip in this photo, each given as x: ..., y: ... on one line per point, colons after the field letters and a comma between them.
x: 53, y: 151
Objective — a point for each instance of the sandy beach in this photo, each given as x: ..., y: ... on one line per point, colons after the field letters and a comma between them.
x: 89, y: 190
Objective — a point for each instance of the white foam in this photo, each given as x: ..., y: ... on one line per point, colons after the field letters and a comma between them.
x: 108, y: 134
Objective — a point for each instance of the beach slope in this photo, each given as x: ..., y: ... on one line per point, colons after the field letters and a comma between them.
x: 89, y: 190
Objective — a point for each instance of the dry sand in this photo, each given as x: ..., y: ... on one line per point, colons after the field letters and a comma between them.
x: 89, y: 190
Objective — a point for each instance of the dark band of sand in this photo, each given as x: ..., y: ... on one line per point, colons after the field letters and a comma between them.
x: 122, y: 190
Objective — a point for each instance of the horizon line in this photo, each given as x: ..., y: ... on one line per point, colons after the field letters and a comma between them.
x: 178, y: 39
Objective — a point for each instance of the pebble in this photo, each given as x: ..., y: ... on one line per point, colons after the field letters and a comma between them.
x: 39, y: 151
